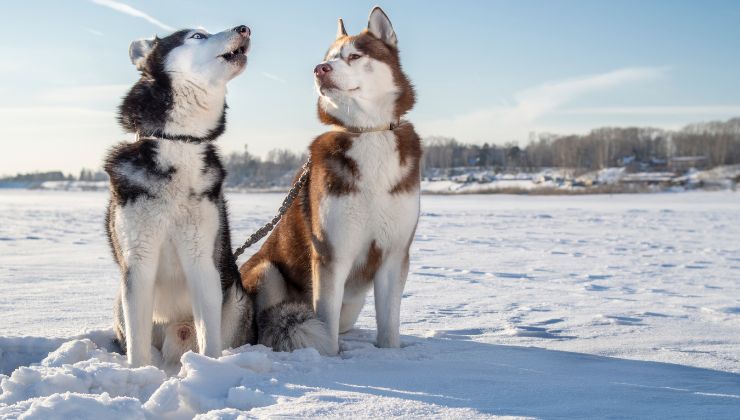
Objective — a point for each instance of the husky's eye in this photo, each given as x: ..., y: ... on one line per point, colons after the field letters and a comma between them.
x: 198, y: 36
x: 353, y: 56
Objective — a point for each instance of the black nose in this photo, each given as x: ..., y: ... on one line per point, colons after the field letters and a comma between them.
x: 243, y: 30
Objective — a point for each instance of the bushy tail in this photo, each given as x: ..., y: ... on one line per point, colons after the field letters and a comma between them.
x: 292, y: 325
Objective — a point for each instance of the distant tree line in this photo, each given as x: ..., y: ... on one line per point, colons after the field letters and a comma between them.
x: 275, y: 170
x: 38, y: 177
x: 35, y: 179
x: 709, y: 144
x: 704, y: 144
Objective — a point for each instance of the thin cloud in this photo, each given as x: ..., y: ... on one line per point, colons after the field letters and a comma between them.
x: 131, y: 11
x: 94, y: 31
x: 535, y: 102
x: 274, y: 77
x: 516, y: 121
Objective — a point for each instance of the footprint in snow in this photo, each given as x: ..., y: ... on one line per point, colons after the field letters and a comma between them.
x: 539, y: 332
x: 465, y: 333
x: 549, y: 321
x: 470, y: 271
x: 620, y: 320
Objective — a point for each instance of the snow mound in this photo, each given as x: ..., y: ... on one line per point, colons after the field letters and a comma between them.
x: 71, y: 405
x: 435, y: 377
x: 206, y: 384
x: 78, y: 366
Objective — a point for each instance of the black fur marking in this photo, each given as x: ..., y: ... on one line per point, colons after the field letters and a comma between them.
x: 127, y: 157
x: 223, y: 256
x: 110, y: 234
x: 212, y: 162
x: 146, y: 106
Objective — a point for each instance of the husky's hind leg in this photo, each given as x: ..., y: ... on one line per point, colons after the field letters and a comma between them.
x: 237, y: 318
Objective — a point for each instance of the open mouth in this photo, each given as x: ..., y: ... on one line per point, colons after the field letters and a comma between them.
x: 235, y: 55
x: 238, y: 54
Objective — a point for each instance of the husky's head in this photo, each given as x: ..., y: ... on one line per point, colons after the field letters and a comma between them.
x: 360, y: 83
x: 181, y: 93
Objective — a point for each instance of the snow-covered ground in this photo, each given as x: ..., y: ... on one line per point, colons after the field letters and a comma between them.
x: 562, y: 180
x: 591, y: 306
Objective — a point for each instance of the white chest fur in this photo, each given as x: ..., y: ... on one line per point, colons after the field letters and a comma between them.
x: 174, y: 208
x: 378, y: 161
x: 191, y: 177
x: 372, y: 212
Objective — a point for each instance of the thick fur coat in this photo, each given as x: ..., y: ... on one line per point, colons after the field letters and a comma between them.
x: 353, y: 222
x: 167, y: 220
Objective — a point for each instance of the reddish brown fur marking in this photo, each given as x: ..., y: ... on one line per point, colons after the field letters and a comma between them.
x: 251, y: 273
x: 372, y: 263
x: 408, y: 146
x: 288, y: 249
x: 323, y: 250
x: 331, y: 168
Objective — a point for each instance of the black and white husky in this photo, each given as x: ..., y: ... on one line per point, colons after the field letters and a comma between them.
x: 167, y: 219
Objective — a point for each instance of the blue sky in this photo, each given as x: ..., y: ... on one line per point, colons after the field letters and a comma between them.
x: 485, y: 71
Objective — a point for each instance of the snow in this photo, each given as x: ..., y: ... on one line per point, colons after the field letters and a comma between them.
x: 580, y: 306
x: 474, y: 180
x: 75, y: 185
x: 561, y: 180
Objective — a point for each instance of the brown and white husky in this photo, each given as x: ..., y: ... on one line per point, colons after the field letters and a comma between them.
x: 352, y: 224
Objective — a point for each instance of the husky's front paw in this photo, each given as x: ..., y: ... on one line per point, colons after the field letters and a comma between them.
x: 388, y: 341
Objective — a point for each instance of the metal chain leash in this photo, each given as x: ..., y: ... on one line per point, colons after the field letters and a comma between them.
x: 269, y: 226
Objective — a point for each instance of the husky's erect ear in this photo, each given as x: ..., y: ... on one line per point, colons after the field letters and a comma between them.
x: 340, y: 29
x: 379, y: 25
x: 139, y: 50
